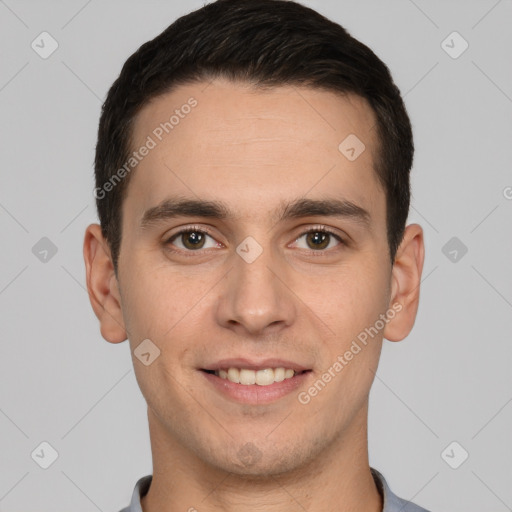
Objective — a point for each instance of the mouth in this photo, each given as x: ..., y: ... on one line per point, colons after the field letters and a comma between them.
x: 255, y: 383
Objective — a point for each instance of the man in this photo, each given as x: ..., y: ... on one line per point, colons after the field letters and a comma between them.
x: 252, y: 184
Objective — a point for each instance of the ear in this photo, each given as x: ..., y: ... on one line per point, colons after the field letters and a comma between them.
x: 405, y: 283
x: 102, y: 285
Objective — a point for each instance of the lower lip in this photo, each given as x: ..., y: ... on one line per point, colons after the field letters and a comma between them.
x: 254, y: 394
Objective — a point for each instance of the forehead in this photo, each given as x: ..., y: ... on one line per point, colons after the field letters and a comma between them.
x: 251, y: 147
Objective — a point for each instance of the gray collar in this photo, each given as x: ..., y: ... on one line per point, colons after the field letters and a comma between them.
x: 392, y: 503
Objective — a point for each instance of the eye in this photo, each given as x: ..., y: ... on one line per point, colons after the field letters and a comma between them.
x: 319, y: 239
x: 192, y: 239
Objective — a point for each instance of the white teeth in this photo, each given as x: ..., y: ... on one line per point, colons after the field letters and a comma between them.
x: 234, y: 375
x: 247, y: 377
x: 261, y: 377
x: 279, y: 374
x: 265, y: 377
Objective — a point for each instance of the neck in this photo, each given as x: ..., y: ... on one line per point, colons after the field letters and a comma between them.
x: 338, y: 478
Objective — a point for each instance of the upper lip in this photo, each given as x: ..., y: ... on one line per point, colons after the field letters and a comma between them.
x: 253, y: 364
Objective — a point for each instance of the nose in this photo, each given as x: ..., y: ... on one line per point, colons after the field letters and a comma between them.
x: 255, y: 299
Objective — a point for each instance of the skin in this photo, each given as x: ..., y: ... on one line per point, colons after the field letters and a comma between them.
x: 254, y: 149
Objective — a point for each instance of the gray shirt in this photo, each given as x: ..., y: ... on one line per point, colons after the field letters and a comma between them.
x: 392, y: 503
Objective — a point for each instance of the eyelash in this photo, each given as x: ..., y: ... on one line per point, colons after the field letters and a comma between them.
x: 189, y: 229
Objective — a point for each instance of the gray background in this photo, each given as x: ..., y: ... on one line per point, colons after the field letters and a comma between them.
x: 450, y: 381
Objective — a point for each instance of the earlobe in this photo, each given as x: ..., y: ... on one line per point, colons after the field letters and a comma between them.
x: 405, y: 283
x: 102, y: 285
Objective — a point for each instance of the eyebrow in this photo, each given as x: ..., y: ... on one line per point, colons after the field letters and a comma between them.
x: 183, y: 207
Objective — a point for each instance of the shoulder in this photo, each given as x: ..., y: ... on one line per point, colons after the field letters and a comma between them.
x: 392, y: 503
x: 140, y: 490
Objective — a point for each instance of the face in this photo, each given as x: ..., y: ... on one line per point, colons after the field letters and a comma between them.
x: 251, y: 242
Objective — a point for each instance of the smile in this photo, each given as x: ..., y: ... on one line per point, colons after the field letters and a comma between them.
x: 256, y: 387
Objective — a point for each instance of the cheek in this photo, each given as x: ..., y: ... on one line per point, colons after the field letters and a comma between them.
x: 161, y: 306
x: 350, y: 306
x: 351, y: 300
x: 170, y: 309
x: 153, y: 300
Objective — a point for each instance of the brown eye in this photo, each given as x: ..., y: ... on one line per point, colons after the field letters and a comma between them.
x: 192, y: 240
x: 318, y: 240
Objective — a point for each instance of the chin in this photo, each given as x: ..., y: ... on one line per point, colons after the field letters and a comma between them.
x: 260, y: 462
